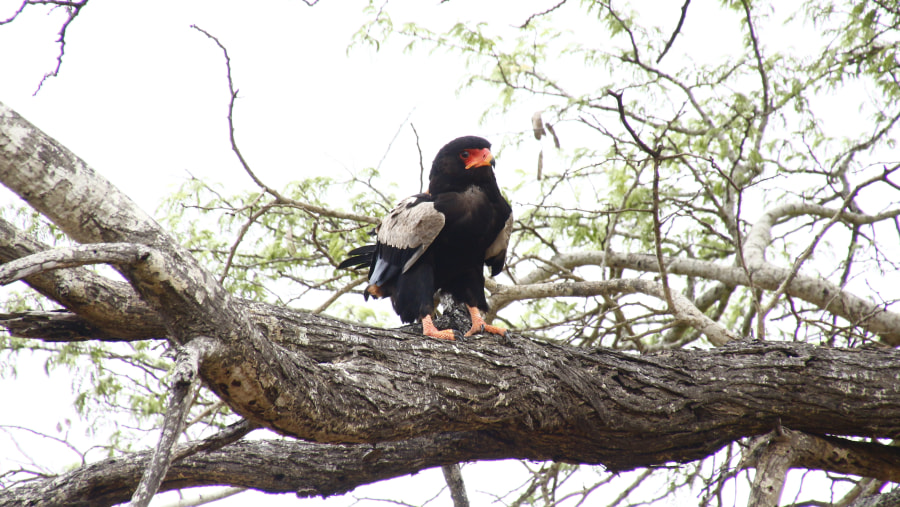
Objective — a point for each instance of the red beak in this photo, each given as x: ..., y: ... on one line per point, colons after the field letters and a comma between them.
x: 478, y: 158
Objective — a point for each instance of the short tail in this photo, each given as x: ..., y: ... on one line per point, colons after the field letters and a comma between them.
x: 358, y: 258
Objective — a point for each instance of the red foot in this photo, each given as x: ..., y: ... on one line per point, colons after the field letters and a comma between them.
x: 428, y: 329
x: 478, y: 324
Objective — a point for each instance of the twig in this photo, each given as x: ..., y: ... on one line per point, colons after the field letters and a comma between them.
x: 280, y: 199
x: 73, y: 8
x: 421, y: 161
x: 343, y: 290
x: 759, y: 62
x: 227, y: 436
x: 240, y: 237
x: 684, y: 9
x: 621, y: 108
x: 391, y: 144
x: 657, y: 234
x: 539, y: 14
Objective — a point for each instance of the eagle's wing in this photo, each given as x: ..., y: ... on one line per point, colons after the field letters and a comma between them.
x: 495, y: 255
x: 403, y: 237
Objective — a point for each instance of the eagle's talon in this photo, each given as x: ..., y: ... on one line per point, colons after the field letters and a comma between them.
x: 475, y: 329
x: 429, y: 329
x: 479, y: 326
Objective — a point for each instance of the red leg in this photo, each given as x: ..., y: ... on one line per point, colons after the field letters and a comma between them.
x: 478, y: 324
x: 428, y: 329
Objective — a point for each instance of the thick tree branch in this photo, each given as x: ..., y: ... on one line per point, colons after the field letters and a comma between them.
x: 113, y: 309
x: 774, y: 453
x: 274, y: 466
x: 772, y: 456
x: 285, y: 466
x: 680, y: 405
x: 766, y: 276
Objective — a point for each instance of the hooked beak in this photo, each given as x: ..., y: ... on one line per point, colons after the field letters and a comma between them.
x: 479, y: 158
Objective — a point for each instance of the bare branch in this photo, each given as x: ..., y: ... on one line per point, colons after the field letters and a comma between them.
x: 540, y: 14
x: 72, y: 8
x: 185, y: 383
x: 677, y: 30
x: 657, y: 236
x: 97, y: 253
x: 622, y: 117
x: 453, y: 476
x: 760, y: 66
x: 817, y: 291
x: 280, y: 199
x: 338, y: 293
x: 421, y: 162
x: 683, y: 310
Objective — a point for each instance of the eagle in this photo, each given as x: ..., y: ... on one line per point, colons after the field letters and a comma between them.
x: 441, y: 240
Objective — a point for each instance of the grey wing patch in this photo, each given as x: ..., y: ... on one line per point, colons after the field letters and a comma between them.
x: 502, y: 241
x: 411, y: 225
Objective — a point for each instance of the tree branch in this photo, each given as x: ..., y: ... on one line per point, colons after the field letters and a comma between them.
x: 73, y: 8
x: 286, y: 466
x: 453, y: 476
x: 113, y: 309
x: 280, y: 199
x: 675, y: 32
x: 622, y: 118
x: 184, y: 388
x: 774, y: 453
x: 817, y: 291
x: 98, y: 253
x: 682, y: 309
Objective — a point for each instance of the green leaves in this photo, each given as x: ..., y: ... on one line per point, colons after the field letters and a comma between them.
x: 275, y: 250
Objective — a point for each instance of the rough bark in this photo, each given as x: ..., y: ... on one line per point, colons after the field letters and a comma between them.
x: 774, y: 453
x: 274, y: 466
x: 286, y: 466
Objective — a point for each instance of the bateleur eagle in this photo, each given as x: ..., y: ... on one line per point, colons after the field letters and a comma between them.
x: 440, y: 240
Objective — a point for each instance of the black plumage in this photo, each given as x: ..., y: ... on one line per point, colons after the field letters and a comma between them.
x: 442, y: 239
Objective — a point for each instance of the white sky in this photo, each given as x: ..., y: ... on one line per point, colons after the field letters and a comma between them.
x: 142, y: 98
